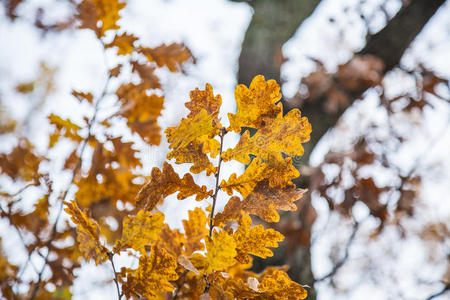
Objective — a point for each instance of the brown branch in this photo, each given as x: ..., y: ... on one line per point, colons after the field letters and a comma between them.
x: 216, y: 191
x: 63, y: 198
x: 116, y: 280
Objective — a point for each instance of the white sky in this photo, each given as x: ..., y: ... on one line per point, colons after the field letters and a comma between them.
x: 214, y: 30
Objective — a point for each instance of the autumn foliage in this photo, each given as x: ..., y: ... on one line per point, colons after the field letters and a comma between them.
x: 211, y: 255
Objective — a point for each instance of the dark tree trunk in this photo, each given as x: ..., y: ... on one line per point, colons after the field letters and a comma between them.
x: 273, y: 23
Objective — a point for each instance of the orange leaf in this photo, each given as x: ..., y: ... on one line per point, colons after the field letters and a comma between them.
x: 88, y: 234
x: 165, y: 183
x: 172, y: 56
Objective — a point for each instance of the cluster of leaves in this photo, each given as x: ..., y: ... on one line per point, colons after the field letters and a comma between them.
x: 212, y: 255
x: 212, y: 262
x: 104, y: 168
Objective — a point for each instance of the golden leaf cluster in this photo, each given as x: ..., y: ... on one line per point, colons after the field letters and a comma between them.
x: 211, y: 256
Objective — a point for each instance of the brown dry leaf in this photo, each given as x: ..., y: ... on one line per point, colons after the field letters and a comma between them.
x: 147, y: 74
x: 22, y: 162
x: 124, y: 43
x: 83, y: 96
x: 256, y: 104
x: 165, y: 183
x: 172, y: 56
x: 204, y: 100
x: 88, y: 234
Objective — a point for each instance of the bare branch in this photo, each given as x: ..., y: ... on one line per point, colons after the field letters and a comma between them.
x: 445, y: 289
x: 344, y: 259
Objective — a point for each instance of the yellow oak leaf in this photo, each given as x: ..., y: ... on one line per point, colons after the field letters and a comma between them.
x: 172, y: 56
x: 88, y: 234
x: 220, y: 251
x: 64, y: 128
x: 195, y: 153
x: 278, y: 175
x: 255, y: 240
x: 99, y: 15
x: 284, y: 135
x: 256, y: 104
x: 191, y: 129
x: 141, y: 230
x: 124, y: 43
x: 263, y: 202
x: 195, y: 231
x: 165, y: 183
x: 277, y: 285
x: 152, y: 277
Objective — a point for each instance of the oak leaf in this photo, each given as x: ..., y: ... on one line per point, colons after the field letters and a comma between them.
x: 141, y: 230
x: 152, y: 277
x: 88, y: 234
x: 124, y: 43
x: 254, y: 240
x: 99, y: 15
x: 195, y: 231
x: 278, y: 285
x: 220, y: 251
x: 255, y: 105
x: 172, y: 56
x: 278, y: 175
x: 165, y: 183
x: 284, y: 135
x: 263, y: 202
x: 204, y: 100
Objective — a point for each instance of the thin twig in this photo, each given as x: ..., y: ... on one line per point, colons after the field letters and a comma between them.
x: 116, y: 280
x: 441, y: 292
x: 216, y: 191
x: 63, y: 198
x: 347, y: 252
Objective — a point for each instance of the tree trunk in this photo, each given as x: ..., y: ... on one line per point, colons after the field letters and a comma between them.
x: 273, y: 23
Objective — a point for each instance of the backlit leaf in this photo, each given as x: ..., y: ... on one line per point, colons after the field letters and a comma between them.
x: 167, y: 182
x: 256, y: 104
x: 255, y: 240
x: 283, y: 135
x: 88, y: 234
x: 195, y: 231
x: 141, y: 230
x: 152, y: 276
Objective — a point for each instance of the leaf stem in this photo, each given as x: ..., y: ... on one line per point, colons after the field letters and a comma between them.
x: 216, y: 191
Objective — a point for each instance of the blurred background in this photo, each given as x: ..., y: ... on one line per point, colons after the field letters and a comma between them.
x: 370, y: 75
